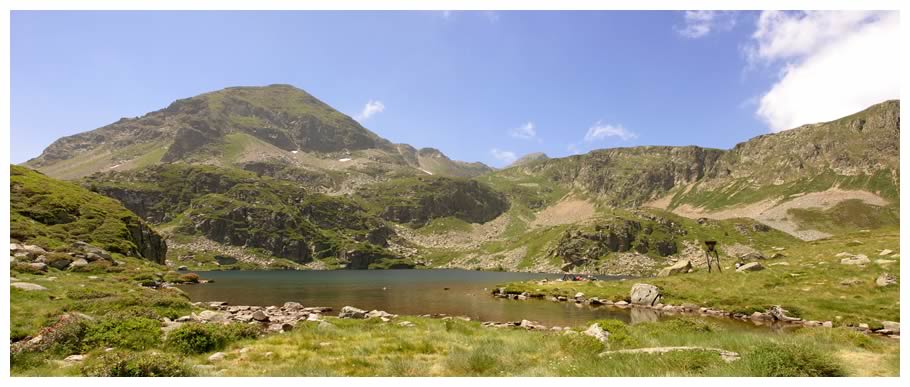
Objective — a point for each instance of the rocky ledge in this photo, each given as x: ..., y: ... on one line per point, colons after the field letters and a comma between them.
x: 648, y: 297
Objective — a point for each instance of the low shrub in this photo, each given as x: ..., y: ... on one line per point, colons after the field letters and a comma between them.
x: 20, y: 267
x: 99, y: 266
x: 201, y: 338
x: 136, y: 333
x: 777, y: 359
x: 123, y: 363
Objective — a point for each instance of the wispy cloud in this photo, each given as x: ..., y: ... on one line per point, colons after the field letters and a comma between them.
x: 503, y: 156
x: 370, y: 109
x: 600, y: 131
x: 833, y: 63
x: 700, y: 23
x: 524, y: 132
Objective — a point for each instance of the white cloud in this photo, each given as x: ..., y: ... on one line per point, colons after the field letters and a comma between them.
x: 524, y: 132
x: 370, y: 109
x: 701, y: 23
x: 833, y: 64
x: 600, y: 131
x: 505, y: 157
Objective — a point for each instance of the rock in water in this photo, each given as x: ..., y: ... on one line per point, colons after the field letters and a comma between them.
x: 885, y: 279
x: 352, y: 312
x: 681, y: 266
x: 780, y: 314
x: 598, y: 333
x: 644, y: 294
x: 751, y: 266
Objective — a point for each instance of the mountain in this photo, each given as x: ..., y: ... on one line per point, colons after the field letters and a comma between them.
x: 271, y: 177
x: 236, y: 125
x: 528, y: 159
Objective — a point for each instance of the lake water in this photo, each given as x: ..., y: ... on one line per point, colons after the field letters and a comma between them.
x: 411, y: 292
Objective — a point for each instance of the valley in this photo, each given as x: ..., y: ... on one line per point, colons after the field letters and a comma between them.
x: 269, y: 191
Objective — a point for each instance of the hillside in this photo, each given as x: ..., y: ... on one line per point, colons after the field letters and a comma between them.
x: 55, y: 215
x: 237, y: 125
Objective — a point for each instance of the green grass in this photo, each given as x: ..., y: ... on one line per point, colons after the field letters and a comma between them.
x: 810, y: 286
x: 458, y: 348
x: 847, y: 216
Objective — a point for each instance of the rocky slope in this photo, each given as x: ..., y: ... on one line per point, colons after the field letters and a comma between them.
x: 238, y: 124
x: 57, y: 215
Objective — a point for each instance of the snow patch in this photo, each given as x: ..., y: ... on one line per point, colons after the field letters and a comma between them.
x: 426, y: 171
x: 114, y: 166
x: 344, y: 160
x: 295, y: 151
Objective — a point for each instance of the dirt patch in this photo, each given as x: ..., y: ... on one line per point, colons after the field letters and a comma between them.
x: 566, y: 211
x: 773, y: 212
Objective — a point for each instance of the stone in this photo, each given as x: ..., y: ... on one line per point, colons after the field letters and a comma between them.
x: 884, y: 261
x: 283, y: 327
x: 851, y: 282
x: 74, y: 358
x: 579, y: 296
x: 621, y: 303
x: 292, y: 306
x: 260, y: 316
x: 645, y: 294
x: 210, y: 316
x: 38, y: 266
x: 892, y: 326
x: 780, y: 314
x: 858, y: 259
x: 751, y: 266
x: 681, y: 266
x: 828, y: 324
x: 217, y: 356
x: 885, y: 252
x: 79, y: 263
x: 406, y: 324
x: 759, y: 316
x: 885, y: 279
x: 598, y: 333
x: 29, y: 287
x: 60, y: 264
x: 380, y: 314
x: 777, y: 255
x: 352, y: 312
x: 182, y: 268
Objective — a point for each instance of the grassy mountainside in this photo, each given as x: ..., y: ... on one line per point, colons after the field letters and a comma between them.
x: 55, y: 214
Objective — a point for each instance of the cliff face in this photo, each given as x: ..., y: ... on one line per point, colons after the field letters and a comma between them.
x: 629, y: 177
x: 53, y: 214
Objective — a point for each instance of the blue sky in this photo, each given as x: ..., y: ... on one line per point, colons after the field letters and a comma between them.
x: 480, y: 86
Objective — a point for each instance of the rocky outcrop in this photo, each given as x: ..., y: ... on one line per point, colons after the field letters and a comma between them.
x: 681, y: 266
x: 588, y: 245
x: 418, y: 200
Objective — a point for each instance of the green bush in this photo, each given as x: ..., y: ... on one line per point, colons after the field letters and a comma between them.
x: 122, y: 363
x: 130, y: 333
x: 774, y: 359
x: 99, y: 266
x: 171, y: 303
x: 620, y: 336
x: 201, y: 338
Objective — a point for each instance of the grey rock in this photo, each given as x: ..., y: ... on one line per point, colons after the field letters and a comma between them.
x: 885, y: 279
x: 30, y: 287
x: 74, y: 358
x: 858, y: 259
x: 598, y: 333
x: 751, y: 266
x: 645, y: 294
x: 79, y: 263
x: 217, y: 356
x: 352, y: 312
x: 892, y: 326
x: 681, y: 266
x: 260, y: 316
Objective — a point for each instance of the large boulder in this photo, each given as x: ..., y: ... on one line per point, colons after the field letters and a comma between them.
x: 644, y: 294
x: 352, y: 312
x: 260, y: 316
x: 681, y: 266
